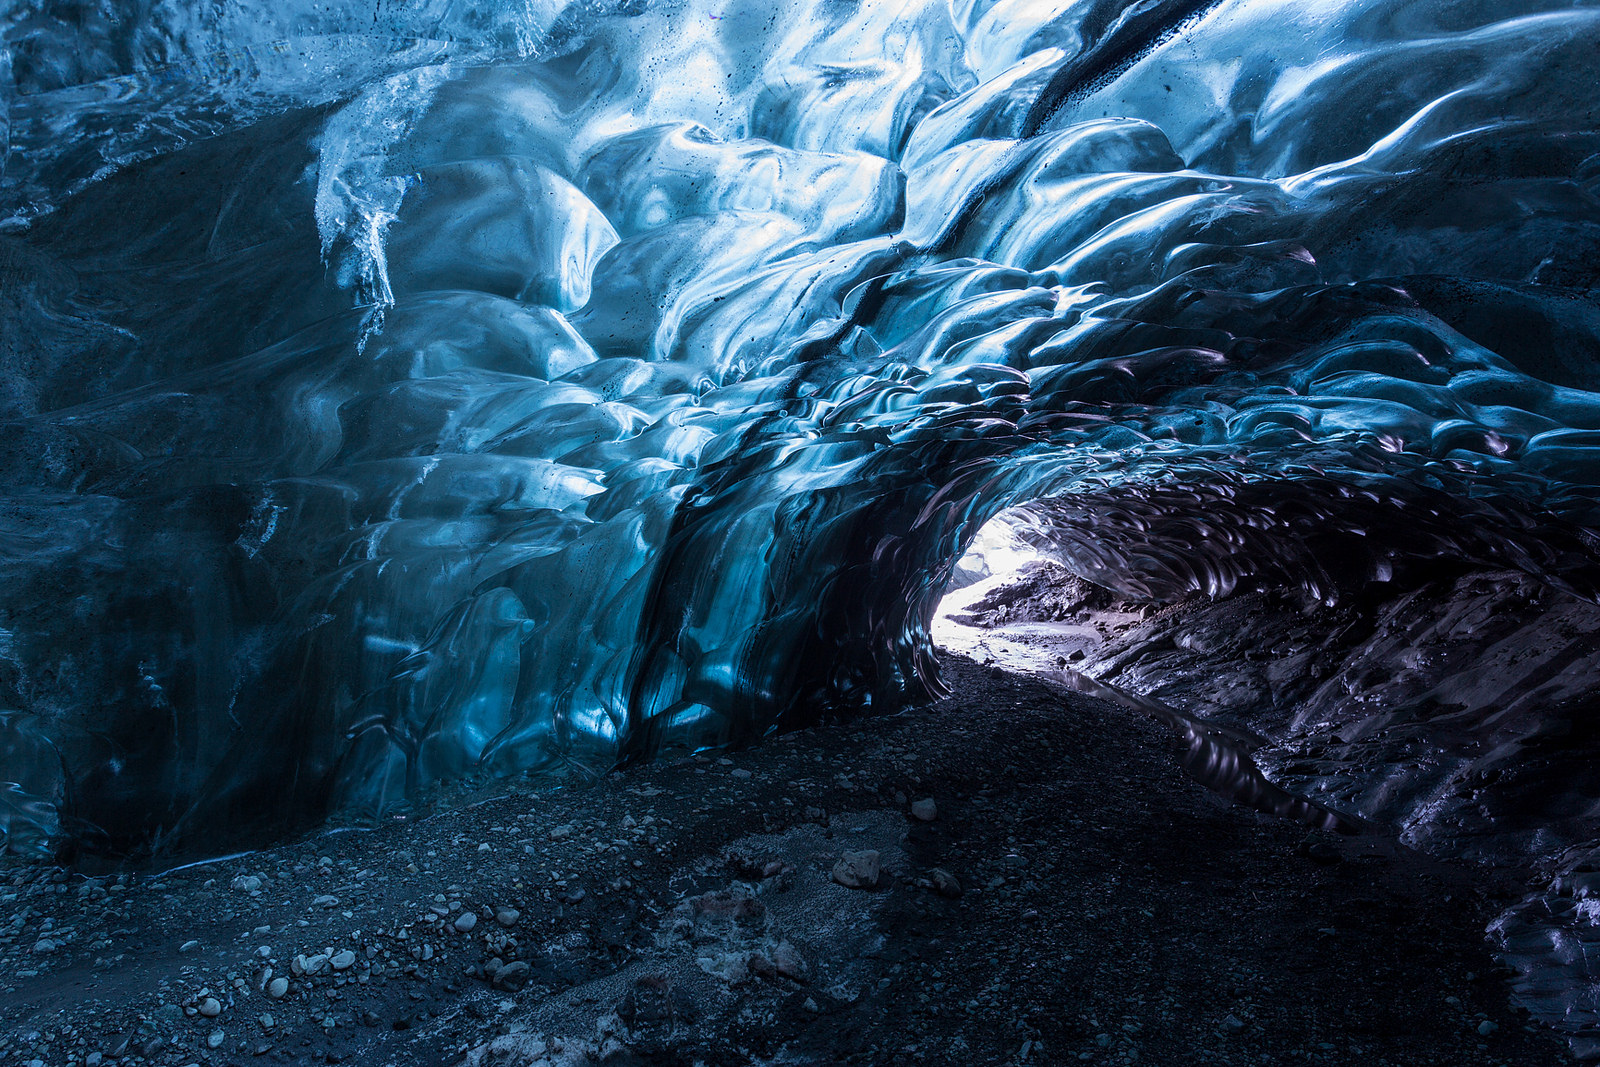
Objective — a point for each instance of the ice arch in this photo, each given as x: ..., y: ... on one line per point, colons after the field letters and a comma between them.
x: 391, y: 404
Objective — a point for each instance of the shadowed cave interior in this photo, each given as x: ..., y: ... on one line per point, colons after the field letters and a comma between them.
x: 425, y: 410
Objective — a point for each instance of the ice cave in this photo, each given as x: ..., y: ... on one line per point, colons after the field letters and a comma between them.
x: 821, y: 531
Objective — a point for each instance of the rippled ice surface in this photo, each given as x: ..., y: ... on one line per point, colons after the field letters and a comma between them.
x: 395, y: 397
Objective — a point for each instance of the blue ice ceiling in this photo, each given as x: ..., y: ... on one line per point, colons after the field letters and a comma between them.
x: 398, y: 394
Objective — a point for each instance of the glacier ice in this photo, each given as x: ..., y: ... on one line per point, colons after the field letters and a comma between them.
x: 517, y: 388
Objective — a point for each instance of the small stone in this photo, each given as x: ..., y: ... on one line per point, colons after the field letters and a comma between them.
x: 1487, y: 1027
x: 215, y: 1038
x: 278, y: 988
x: 857, y: 870
x: 188, y: 947
x: 789, y: 962
x: 466, y: 921
x: 513, y: 976
x: 94, y: 1059
x: 266, y: 1020
x: 343, y: 961
x: 246, y: 883
x: 326, y: 900
x: 1232, y: 1024
x: 739, y: 772
x: 925, y: 809
x: 44, y: 946
x: 507, y: 916
x: 944, y: 883
x: 210, y: 1007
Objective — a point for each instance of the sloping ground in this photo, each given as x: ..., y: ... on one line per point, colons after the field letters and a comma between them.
x: 1072, y: 899
x: 1456, y: 707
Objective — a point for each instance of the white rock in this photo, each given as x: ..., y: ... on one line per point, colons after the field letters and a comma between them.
x: 789, y: 961
x: 857, y: 870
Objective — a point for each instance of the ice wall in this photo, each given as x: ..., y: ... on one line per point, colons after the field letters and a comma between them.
x: 404, y: 394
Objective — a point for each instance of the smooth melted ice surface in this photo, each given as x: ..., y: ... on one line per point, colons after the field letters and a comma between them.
x: 509, y: 389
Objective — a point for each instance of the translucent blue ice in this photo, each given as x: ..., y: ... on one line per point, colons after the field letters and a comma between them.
x: 486, y: 389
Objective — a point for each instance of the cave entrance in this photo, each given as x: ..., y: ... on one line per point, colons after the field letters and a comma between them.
x: 1015, y: 601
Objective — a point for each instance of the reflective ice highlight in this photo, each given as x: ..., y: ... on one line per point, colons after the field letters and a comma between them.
x: 512, y: 389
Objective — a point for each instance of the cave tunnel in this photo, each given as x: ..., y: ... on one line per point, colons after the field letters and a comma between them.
x: 415, y: 410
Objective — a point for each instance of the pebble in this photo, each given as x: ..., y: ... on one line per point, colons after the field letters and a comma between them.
x: 215, y: 1039
x: 344, y: 960
x: 210, y: 1007
x: 857, y: 870
x: 512, y: 976
x: 326, y: 900
x: 278, y: 988
x: 44, y: 946
x: 246, y: 883
x: 787, y: 959
x: 944, y: 883
x: 188, y: 946
x: 466, y: 921
x: 925, y: 809
x: 507, y: 916
x: 1487, y: 1027
x: 1232, y: 1024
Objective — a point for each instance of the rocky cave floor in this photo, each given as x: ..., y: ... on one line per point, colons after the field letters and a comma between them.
x: 1069, y: 896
